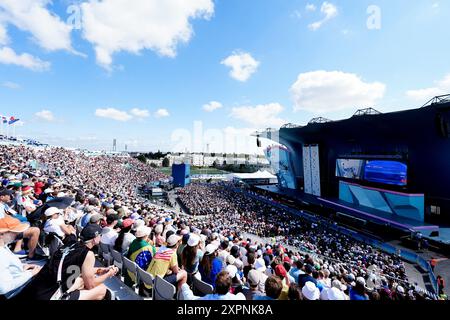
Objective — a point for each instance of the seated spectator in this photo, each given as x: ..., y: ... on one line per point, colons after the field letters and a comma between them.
x: 79, y: 257
x: 254, y: 279
x: 306, y: 277
x: 55, y: 223
x: 222, y: 290
x: 125, y: 237
x: 211, y: 265
x: 295, y: 294
x: 14, y: 275
x: 109, y: 233
x: 281, y: 272
x: 274, y: 288
x: 310, y: 291
x: 165, y: 264
x: 192, y: 255
x: 141, y: 252
x: 358, y: 292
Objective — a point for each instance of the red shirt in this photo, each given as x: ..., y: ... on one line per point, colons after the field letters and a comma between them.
x: 38, y: 187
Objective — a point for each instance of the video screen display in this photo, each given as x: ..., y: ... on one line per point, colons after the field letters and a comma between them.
x: 349, y: 168
x: 387, y: 172
x: 378, y: 171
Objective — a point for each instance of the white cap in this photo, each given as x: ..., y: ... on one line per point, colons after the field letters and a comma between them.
x: 51, y: 211
x: 232, y: 270
x: 194, y: 240
x: 173, y: 240
x: 143, y: 231
x: 159, y: 229
x: 210, y: 249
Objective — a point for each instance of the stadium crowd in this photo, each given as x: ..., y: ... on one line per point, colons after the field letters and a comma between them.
x: 83, y: 202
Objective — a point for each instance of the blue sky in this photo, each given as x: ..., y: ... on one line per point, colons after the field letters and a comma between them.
x: 292, y: 60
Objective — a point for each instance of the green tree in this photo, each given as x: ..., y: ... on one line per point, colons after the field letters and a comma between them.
x: 166, y: 162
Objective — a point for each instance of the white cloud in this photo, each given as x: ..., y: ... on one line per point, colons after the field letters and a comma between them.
x: 114, y: 114
x: 260, y: 116
x: 329, y: 10
x: 213, y: 105
x: 114, y: 25
x: 45, y: 115
x: 32, y: 16
x: 441, y: 87
x: 162, y: 113
x: 324, y: 91
x: 9, y: 56
x: 3, y: 35
x: 242, y: 65
x: 140, y: 113
x: 11, y: 85
x: 310, y: 7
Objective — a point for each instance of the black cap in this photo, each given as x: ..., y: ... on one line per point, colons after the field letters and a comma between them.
x: 309, y: 269
x: 90, y: 232
x: 6, y: 192
x: 111, y: 218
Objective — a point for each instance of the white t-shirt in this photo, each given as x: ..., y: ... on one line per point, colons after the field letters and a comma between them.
x: 12, y: 275
x: 54, y: 225
x: 109, y: 236
x: 127, y: 240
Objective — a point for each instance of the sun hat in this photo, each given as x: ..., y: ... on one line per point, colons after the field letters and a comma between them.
x: 10, y: 224
x: 310, y: 291
x: 137, y: 224
x: 334, y: 294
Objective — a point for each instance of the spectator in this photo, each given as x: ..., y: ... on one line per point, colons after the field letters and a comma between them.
x: 295, y: 294
x: 307, y: 276
x: 55, y: 223
x: 79, y: 257
x: 109, y: 233
x: 192, y: 255
x: 274, y: 288
x: 310, y: 291
x: 211, y: 265
x: 165, y: 264
x: 358, y: 292
x: 125, y: 237
x: 222, y: 290
x: 254, y: 280
x: 14, y: 275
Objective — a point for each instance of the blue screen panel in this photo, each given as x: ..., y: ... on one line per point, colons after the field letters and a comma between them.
x: 387, y: 172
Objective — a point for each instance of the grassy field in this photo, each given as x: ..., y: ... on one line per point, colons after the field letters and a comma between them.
x: 211, y: 171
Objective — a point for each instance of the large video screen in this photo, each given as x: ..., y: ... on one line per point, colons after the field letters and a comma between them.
x: 378, y: 171
x: 387, y: 172
x: 349, y: 168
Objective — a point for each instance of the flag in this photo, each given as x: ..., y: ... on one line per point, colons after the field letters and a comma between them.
x: 13, y: 120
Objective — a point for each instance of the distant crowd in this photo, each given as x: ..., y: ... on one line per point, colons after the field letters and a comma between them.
x: 57, y: 207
